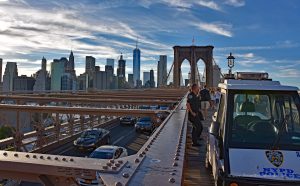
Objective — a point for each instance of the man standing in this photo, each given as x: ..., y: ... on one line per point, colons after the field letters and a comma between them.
x: 205, y: 98
x: 194, y: 116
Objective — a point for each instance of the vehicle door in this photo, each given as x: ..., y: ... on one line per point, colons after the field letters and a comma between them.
x: 216, y: 137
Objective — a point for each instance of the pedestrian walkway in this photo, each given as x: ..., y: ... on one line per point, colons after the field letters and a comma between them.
x: 195, y: 172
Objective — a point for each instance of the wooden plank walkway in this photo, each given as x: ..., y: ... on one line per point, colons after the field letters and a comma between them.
x: 195, y: 173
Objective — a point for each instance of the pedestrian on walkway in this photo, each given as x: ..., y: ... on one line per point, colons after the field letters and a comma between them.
x: 218, y: 97
x: 212, y: 99
x: 194, y: 114
x: 205, y: 98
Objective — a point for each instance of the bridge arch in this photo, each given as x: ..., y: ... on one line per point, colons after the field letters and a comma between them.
x: 193, y: 54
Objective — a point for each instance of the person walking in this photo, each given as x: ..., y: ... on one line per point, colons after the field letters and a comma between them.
x: 205, y: 99
x: 218, y: 97
x: 212, y: 99
x: 194, y: 115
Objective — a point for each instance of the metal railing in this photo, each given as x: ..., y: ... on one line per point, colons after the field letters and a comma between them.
x: 160, y: 159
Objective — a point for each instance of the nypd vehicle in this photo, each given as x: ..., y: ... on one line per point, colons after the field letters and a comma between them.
x: 254, y: 138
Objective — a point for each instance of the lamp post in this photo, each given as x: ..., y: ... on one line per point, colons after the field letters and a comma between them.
x: 230, y: 63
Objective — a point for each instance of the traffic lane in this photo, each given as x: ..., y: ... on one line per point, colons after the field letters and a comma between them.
x: 119, y: 135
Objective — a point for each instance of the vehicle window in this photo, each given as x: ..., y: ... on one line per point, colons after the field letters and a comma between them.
x: 265, y: 120
x: 101, y: 155
x: 90, y: 134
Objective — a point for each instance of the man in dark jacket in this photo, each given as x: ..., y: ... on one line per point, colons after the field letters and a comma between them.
x: 194, y: 114
x: 205, y: 98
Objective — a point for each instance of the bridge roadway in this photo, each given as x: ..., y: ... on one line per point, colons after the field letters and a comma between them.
x: 121, y: 135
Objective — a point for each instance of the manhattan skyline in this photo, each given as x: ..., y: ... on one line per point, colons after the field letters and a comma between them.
x: 261, y: 35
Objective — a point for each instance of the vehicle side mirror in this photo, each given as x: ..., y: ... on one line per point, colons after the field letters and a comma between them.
x: 214, y: 128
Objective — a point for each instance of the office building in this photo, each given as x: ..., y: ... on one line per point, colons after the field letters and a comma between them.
x: 90, y: 62
x: 57, y: 70
x: 23, y: 83
x: 136, y: 64
x: 71, y: 65
x: 152, y: 82
x: 110, y: 62
x: 130, y: 81
x: 162, y: 71
x: 66, y: 81
x: 100, y: 80
x: 44, y: 64
x: 146, y: 78
x: 43, y: 80
x: 82, y: 82
x: 109, y: 76
x: 121, y: 67
x: 10, y: 73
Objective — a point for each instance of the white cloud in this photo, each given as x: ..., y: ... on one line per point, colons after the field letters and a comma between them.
x: 246, y: 55
x: 216, y: 28
x: 235, y: 3
x: 209, y: 4
x: 287, y: 73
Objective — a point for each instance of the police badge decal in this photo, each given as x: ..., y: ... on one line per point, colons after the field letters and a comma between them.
x: 275, y: 157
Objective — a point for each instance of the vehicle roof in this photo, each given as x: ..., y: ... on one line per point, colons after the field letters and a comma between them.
x: 233, y: 84
x: 107, y: 148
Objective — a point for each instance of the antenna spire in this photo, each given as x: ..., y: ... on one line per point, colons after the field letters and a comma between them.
x: 193, y: 41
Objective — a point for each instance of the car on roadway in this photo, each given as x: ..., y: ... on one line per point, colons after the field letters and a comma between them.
x: 92, y: 138
x: 144, y: 124
x: 104, y: 152
x: 254, y: 138
x: 127, y: 120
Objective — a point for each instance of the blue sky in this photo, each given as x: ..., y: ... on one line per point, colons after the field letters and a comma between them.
x: 262, y: 35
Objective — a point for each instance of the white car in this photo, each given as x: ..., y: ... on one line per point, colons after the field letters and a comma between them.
x: 104, y: 152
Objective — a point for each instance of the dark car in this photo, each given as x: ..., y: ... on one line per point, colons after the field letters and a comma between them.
x: 127, y: 120
x: 92, y: 138
x: 144, y: 124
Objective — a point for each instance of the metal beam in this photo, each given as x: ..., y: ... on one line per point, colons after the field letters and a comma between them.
x: 79, y: 110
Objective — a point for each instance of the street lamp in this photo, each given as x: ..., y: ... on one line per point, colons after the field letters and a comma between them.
x: 230, y: 62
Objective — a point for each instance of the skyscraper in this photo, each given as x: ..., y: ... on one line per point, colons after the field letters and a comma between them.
x: 10, y: 73
x: 109, y: 76
x: 71, y: 61
x: 100, y: 80
x: 121, y: 72
x: 121, y: 67
x: 146, y: 78
x: 1, y: 70
x: 90, y: 62
x: 130, y: 80
x: 44, y: 64
x: 162, y: 71
x: 110, y: 62
x: 152, y: 82
x: 57, y: 71
x: 43, y: 81
x: 136, y: 64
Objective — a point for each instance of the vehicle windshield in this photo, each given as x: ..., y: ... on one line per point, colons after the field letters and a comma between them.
x: 101, y: 155
x: 90, y: 134
x: 265, y: 119
x: 145, y: 119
